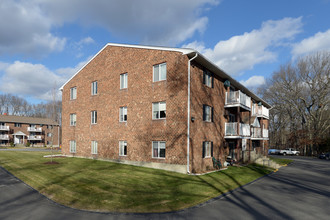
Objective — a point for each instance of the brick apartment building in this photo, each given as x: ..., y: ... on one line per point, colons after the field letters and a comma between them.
x: 167, y: 108
x: 19, y: 130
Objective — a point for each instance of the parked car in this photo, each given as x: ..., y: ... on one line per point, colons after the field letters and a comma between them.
x: 273, y: 151
x: 325, y: 156
x: 289, y: 151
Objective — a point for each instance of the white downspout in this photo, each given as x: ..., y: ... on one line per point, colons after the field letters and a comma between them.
x: 188, y: 118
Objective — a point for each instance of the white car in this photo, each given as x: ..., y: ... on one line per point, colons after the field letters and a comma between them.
x: 289, y: 151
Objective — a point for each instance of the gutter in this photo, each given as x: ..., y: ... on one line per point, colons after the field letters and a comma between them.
x: 188, y: 117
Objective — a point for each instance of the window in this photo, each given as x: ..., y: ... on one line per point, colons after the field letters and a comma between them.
x: 73, y: 93
x: 49, y: 134
x: 94, y: 117
x: 207, y: 113
x: 158, y: 149
x: 207, y: 149
x: 122, y: 148
x: 73, y: 119
x: 72, y: 146
x: 123, y: 114
x: 18, y: 125
x: 94, y: 147
x: 123, y: 81
x: 49, y: 126
x: 208, y: 78
x: 159, y: 72
x: 158, y: 110
x: 94, y: 88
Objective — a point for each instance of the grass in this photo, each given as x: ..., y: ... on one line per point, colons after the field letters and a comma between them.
x: 105, y: 186
x: 281, y: 161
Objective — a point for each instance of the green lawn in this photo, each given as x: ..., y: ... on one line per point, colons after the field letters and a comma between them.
x: 281, y: 161
x: 104, y: 186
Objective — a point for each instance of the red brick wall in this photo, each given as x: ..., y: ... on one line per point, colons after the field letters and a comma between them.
x: 140, y: 130
x: 24, y: 129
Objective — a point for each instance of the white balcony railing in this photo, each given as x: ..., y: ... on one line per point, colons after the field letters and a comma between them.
x: 256, y: 133
x: 231, y: 129
x: 34, y: 129
x: 237, y: 98
x: 244, y: 129
x: 4, y: 128
x: 260, y: 111
x: 265, y: 133
x: 4, y: 137
x: 34, y: 138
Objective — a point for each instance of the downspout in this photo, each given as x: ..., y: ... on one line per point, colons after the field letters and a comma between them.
x: 188, y: 118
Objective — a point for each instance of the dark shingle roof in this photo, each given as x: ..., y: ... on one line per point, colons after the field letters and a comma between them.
x: 27, y: 120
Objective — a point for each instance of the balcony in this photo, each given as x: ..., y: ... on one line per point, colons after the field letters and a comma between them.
x: 34, y: 138
x: 234, y: 131
x: 34, y: 129
x: 238, y: 98
x: 4, y: 137
x: 260, y: 111
x: 4, y: 128
x: 265, y: 133
x: 258, y: 134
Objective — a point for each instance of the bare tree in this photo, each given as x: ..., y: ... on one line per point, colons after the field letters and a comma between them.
x: 299, y: 93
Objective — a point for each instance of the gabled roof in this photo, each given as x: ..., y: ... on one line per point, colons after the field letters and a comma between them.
x: 190, y: 53
x: 27, y: 120
x: 19, y: 133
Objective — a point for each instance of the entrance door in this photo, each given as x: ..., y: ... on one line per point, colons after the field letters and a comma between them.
x: 232, y: 151
x: 18, y: 140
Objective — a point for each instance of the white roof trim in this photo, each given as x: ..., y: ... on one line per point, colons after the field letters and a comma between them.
x: 182, y: 50
x: 19, y: 133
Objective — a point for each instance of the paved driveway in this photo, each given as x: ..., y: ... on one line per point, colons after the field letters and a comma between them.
x: 299, y: 191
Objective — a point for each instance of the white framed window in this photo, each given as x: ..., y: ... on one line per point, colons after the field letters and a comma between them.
x: 73, y: 119
x: 73, y: 147
x: 158, y: 149
x: 122, y: 148
x: 207, y: 113
x: 49, y: 126
x: 207, y: 149
x: 159, y: 110
x: 159, y: 72
x: 94, y: 88
x: 94, y: 117
x: 18, y: 125
x: 94, y: 147
x: 73, y: 93
x: 123, y: 114
x: 123, y: 81
x: 49, y: 134
x: 208, y: 78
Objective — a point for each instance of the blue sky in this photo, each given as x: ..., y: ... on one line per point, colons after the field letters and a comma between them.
x: 44, y: 42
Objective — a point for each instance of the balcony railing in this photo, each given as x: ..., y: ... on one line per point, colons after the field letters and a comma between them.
x: 4, y: 128
x: 260, y: 111
x: 34, y: 138
x: 4, y: 137
x: 256, y: 133
x: 34, y: 129
x: 265, y: 133
x: 231, y: 129
x: 237, y: 98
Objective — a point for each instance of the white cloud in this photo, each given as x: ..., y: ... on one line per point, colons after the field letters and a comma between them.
x: 254, y: 81
x: 86, y: 40
x: 242, y: 52
x: 148, y: 21
x: 319, y: 42
x: 26, y: 30
x: 34, y: 80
